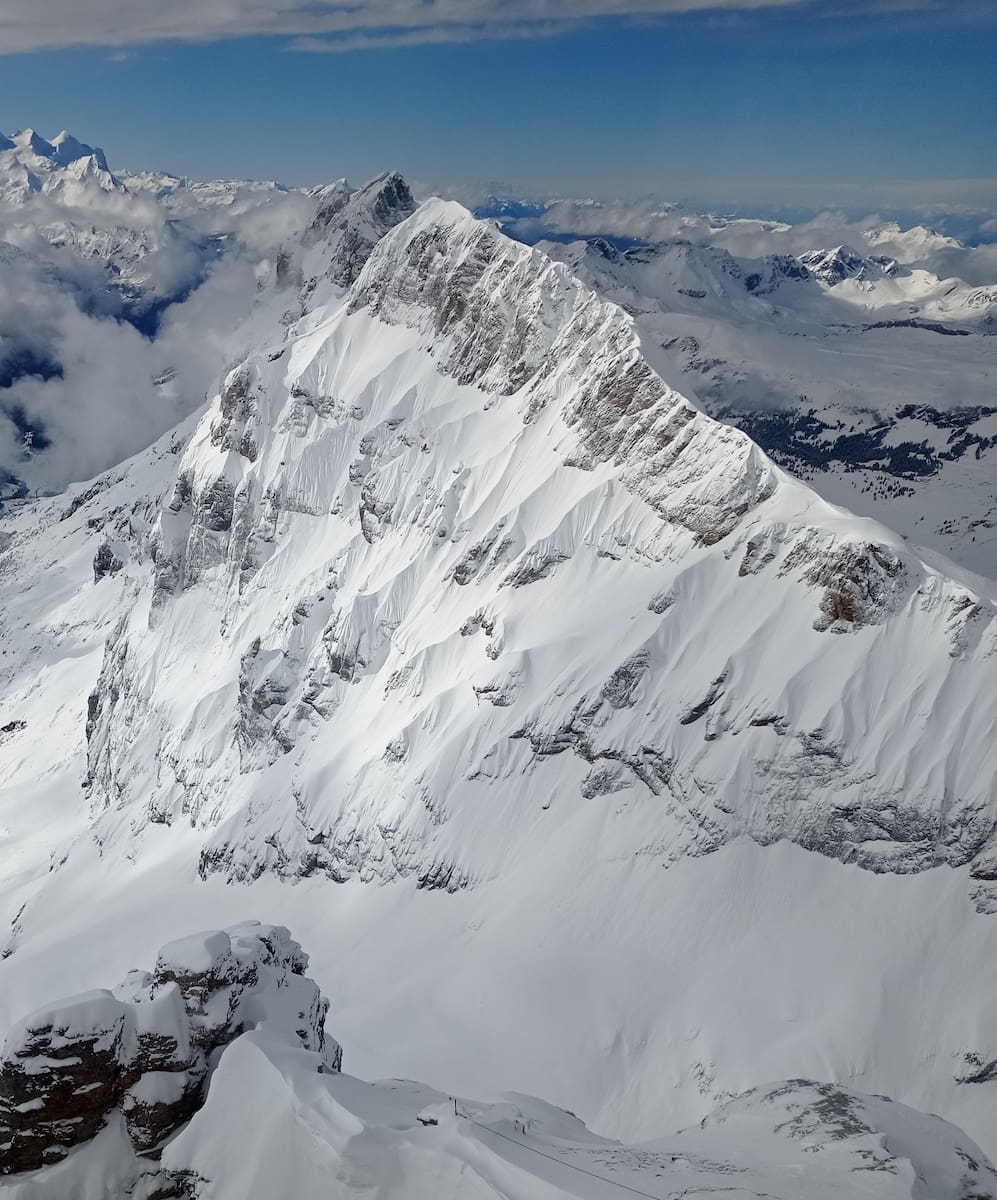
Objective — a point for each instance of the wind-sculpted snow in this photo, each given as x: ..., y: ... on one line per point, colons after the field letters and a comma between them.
x: 456, y: 548
x: 213, y: 1076
x: 315, y: 1132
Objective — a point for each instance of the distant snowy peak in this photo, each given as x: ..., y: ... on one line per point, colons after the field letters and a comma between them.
x: 833, y: 266
x: 910, y: 245
x: 346, y: 228
x: 67, y: 149
x: 504, y: 208
x: 212, y: 200
x: 30, y: 164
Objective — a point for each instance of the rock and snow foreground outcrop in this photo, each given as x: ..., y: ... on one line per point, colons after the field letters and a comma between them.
x: 449, y: 592
x: 106, y: 1096
x: 144, y: 1050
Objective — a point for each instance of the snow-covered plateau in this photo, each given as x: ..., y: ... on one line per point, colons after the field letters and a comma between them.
x: 588, y: 752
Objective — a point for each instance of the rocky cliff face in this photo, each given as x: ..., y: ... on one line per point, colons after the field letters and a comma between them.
x: 145, y: 1050
x: 346, y: 228
x: 455, y: 538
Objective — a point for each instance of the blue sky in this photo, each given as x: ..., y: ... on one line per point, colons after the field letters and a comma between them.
x: 784, y: 101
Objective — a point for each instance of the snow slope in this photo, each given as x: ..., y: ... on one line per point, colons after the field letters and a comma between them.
x: 589, y: 752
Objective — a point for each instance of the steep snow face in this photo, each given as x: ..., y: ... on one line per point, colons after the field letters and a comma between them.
x: 867, y: 377
x: 462, y: 559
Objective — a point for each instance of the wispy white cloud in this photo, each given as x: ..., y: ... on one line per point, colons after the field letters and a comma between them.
x: 331, y: 25
x: 428, y: 35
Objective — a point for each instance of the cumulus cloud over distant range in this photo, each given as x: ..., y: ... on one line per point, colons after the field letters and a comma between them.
x: 754, y: 237
x: 90, y: 398
x: 332, y: 25
x: 86, y: 377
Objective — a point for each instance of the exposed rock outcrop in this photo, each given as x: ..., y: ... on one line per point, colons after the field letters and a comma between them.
x: 105, y: 562
x: 147, y: 1048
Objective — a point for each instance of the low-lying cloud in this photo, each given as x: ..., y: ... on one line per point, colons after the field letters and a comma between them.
x: 88, y: 384
x: 649, y: 221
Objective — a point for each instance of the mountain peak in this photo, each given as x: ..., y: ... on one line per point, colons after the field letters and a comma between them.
x: 387, y: 198
x: 68, y: 149
x: 349, y: 224
x: 28, y: 139
x: 62, y: 151
x: 834, y: 265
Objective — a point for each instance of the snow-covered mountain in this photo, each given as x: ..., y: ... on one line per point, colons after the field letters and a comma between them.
x: 589, y: 752
x: 367, y: 464
x: 64, y: 167
x: 60, y: 194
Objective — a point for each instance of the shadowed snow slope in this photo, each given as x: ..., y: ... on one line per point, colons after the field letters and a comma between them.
x: 451, y: 593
